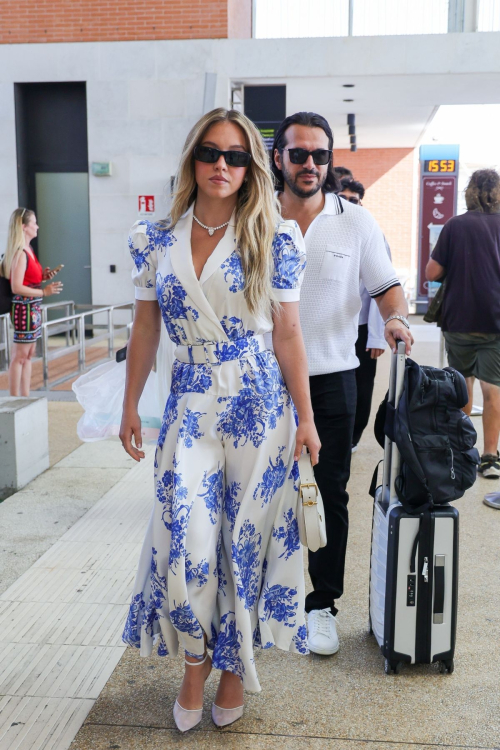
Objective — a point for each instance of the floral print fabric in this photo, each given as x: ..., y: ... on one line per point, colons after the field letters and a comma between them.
x: 222, y: 556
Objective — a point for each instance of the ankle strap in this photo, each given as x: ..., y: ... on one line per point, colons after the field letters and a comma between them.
x: 197, y: 663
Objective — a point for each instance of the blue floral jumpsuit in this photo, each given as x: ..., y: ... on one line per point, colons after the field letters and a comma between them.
x: 222, y: 555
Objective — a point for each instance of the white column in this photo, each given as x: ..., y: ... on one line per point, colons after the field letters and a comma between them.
x: 462, y: 15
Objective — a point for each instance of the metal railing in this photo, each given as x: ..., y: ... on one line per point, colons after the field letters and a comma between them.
x: 78, y: 323
x: 69, y: 309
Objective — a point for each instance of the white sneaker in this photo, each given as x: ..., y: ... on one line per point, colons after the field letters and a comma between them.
x: 322, y: 635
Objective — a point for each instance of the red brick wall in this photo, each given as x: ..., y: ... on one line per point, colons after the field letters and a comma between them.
x: 389, y: 178
x: 26, y: 21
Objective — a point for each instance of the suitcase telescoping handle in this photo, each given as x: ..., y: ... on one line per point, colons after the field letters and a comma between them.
x: 391, y: 453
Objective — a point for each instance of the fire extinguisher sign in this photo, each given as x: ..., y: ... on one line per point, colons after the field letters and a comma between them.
x: 146, y: 205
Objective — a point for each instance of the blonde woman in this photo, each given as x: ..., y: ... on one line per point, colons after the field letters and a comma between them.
x: 221, y: 567
x: 22, y: 267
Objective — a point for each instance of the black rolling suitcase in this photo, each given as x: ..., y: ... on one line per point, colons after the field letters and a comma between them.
x: 413, y: 568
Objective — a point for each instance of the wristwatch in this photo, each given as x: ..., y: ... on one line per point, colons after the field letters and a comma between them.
x: 402, y: 318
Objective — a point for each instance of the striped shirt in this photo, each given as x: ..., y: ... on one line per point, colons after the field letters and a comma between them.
x: 345, y: 246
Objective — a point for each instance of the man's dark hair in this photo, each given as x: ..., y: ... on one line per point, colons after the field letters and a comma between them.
x: 483, y: 191
x: 346, y: 183
x: 310, y: 120
x: 342, y: 172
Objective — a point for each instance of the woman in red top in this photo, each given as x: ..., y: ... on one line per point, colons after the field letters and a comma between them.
x: 26, y: 275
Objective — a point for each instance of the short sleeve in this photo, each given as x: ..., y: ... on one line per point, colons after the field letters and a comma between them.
x: 143, y: 252
x: 289, y: 256
x: 440, y: 252
x: 376, y: 270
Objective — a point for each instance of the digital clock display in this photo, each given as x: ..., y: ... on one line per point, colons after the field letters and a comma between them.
x: 438, y: 166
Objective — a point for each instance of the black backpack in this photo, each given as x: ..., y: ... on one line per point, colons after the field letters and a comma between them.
x: 5, y: 293
x: 434, y: 438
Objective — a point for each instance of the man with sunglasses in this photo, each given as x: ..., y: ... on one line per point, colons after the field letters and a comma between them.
x: 351, y: 190
x: 345, y: 246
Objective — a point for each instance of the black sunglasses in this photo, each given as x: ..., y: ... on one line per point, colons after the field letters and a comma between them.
x: 352, y: 199
x: 210, y: 155
x: 301, y: 155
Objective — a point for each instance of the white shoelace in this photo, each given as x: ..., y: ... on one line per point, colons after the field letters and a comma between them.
x: 320, y: 623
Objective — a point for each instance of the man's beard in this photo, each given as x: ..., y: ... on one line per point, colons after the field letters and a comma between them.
x: 298, y: 191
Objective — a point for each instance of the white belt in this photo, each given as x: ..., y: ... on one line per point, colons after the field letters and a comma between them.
x: 216, y: 352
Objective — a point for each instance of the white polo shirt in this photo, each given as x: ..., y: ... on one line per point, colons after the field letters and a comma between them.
x: 345, y: 246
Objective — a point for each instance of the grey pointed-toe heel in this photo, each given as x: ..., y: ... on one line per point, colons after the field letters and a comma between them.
x: 187, y: 718
x: 222, y: 717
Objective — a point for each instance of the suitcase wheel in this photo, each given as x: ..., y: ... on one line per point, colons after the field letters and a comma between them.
x: 392, y: 667
x: 447, y: 665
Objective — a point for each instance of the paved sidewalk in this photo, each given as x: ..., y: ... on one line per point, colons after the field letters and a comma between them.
x: 66, y: 612
x: 61, y: 621
x: 344, y: 702
x: 34, y: 518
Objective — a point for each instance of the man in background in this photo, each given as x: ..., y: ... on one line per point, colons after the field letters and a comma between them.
x: 341, y: 172
x: 371, y: 342
x: 467, y: 253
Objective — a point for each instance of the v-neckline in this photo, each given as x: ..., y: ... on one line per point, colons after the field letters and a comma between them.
x: 181, y: 259
x: 201, y: 278
x: 223, y: 249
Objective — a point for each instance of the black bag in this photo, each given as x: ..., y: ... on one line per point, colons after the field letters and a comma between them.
x: 435, y: 309
x: 434, y: 438
x: 5, y: 295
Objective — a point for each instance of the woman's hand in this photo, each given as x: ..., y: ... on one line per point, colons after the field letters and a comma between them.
x: 131, y: 428
x: 375, y: 353
x: 48, y: 274
x: 307, y: 435
x: 54, y: 288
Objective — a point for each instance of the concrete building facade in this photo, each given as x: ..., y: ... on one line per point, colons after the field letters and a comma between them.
x: 143, y: 94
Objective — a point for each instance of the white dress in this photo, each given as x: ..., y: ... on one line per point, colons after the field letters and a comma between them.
x: 222, y: 555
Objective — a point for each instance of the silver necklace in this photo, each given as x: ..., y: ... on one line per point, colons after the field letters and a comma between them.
x: 211, y: 230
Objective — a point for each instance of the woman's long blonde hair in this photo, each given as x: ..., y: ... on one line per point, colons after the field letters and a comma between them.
x: 15, y: 238
x: 257, y: 209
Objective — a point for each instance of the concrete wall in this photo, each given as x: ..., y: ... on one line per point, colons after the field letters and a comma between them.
x: 144, y: 96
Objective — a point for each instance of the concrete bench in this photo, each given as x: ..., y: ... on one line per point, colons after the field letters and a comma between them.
x: 24, y: 442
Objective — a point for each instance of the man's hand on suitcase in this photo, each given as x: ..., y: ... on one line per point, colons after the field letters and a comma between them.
x: 396, y: 331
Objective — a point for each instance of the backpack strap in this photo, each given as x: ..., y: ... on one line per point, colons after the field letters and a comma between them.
x: 412, y: 510
x: 373, y: 483
x: 403, y: 439
x: 413, y: 556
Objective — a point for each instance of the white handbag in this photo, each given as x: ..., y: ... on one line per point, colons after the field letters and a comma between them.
x: 310, y: 513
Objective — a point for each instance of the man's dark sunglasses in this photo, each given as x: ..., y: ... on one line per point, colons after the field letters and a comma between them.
x: 210, y: 155
x: 352, y: 199
x: 301, y: 155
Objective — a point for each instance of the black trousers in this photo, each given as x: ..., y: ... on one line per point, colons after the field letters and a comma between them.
x: 365, y: 380
x: 333, y: 399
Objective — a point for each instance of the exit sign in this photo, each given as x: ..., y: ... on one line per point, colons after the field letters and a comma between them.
x: 146, y: 205
x: 101, y: 168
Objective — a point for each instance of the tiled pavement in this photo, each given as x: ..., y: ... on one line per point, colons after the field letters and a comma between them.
x: 61, y: 622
